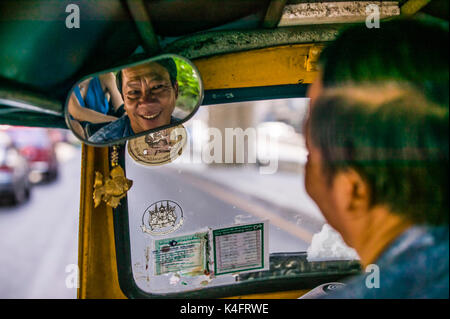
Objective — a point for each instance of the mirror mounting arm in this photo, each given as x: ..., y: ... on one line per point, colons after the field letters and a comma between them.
x: 144, y: 26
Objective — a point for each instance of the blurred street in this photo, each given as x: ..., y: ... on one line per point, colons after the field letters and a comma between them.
x: 293, y: 217
x: 38, y: 238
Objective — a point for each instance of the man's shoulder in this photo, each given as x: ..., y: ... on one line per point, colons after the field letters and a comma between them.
x: 112, y: 131
x: 416, y: 265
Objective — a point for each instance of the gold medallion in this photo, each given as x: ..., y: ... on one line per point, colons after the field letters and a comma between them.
x: 158, y: 148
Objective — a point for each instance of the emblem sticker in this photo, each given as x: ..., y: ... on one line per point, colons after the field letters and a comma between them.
x: 162, y: 217
x: 158, y: 148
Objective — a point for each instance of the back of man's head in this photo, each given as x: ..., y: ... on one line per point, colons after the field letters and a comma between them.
x: 405, y: 51
x: 395, y: 138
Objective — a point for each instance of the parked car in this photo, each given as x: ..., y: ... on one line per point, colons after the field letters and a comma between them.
x: 36, y: 145
x: 14, y: 170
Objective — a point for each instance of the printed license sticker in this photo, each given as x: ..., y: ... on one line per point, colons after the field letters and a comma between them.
x: 183, y: 254
x: 242, y: 248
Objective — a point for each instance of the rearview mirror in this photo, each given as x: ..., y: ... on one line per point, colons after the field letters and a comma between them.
x: 139, y: 98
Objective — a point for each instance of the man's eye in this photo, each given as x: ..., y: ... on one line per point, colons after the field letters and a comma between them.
x: 159, y: 88
x: 133, y: 94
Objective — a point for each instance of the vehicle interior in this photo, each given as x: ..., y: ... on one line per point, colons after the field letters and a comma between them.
x: 255, y: 60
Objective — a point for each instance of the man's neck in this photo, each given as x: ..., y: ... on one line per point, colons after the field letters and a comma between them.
x: 379, y: 229
x: 128, y: 129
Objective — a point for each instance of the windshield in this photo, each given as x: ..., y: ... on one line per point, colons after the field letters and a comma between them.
x: 234, y: 196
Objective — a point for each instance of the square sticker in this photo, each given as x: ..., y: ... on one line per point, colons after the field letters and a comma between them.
x: 242, y: 248
x: 185, y: 254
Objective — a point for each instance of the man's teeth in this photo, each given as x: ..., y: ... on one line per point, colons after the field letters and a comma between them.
x: 150, y: 117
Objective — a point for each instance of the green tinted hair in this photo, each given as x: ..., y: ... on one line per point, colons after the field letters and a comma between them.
x: 406, y: 51
x: 398, y: 143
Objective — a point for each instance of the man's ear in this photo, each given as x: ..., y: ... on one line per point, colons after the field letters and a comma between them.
x: 175, y: 87
x: 351, y: 193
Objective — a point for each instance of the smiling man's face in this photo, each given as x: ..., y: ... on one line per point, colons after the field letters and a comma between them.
x: 149, y: 96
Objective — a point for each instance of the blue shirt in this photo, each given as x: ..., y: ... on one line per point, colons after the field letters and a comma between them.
x: 117, y: 129
x: 95, y: 97
x: 415, y: 265
x: 113, y: 131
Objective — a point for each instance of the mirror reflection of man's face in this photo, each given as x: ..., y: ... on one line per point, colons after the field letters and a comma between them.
x: 149, y: 96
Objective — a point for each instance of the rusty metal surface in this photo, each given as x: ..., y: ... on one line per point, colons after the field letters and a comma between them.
x: 335, y: 12
x: 214, y: 43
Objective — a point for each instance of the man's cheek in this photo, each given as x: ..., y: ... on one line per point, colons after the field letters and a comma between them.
x: 313, y: 180
x: 128, y: 105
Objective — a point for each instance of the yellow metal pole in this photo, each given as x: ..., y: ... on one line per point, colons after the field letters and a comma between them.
x: 411, y: 7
